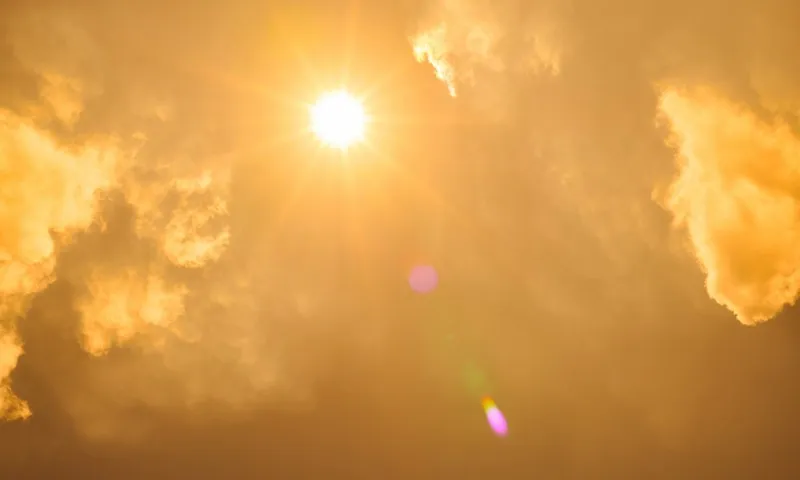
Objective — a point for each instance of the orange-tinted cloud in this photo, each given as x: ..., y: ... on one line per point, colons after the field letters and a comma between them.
x: 185, y: 215
x: 11, y: 406
x: 736, y: 197
x: 52, y: 166
x: 48, y: 193
x: 461, y: 39
x: 121, y: 305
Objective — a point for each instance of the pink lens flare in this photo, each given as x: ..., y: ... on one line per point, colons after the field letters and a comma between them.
x: 495, y: 417
x: 497, y: 421
x: 423, y: 279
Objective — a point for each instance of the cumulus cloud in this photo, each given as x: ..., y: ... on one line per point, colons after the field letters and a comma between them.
x: 462, y: 39
x: 117, y: 306
x: 74, y: 136
x: 184, y: 214
x: 49, y: 193
x: 11, y: 406
x: 736, y: 197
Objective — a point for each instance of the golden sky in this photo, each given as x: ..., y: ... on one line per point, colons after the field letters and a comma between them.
x: 608, y: 191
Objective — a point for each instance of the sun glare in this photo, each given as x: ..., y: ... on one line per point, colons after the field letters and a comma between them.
x: 338, y: 120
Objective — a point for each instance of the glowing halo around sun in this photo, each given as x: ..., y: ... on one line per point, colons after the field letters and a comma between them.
x: 338, y: 120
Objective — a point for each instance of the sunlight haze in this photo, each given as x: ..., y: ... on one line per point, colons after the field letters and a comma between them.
x: 400, y: 240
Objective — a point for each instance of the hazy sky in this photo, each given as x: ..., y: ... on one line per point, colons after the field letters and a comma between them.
x: 191, y: 287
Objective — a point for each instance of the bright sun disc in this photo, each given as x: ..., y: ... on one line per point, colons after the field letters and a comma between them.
x: 338, y: 119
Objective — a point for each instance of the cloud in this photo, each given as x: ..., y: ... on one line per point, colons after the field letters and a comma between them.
x: 463, y: 39
x: 11, y: 406
x: 185, y: 215
x: 159, y: 343
x: 49, y: 193
x: 736, y: 197
x: 91, y: 124
x: 119, y: 306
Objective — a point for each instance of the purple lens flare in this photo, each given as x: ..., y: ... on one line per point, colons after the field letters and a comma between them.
x: 495, y: 417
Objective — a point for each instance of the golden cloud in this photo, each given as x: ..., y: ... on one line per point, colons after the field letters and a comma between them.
x: 118, y: 306
x: 48, y: 193
x: 736, y: 196
x: 184, y: 215
x: 461, y: 38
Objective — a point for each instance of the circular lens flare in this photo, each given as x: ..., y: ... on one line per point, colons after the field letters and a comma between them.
x: 338, y: 120
x: 423, y: 278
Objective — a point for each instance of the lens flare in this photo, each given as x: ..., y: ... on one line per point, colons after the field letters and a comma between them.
x: 495, y: 417
x: 423, y: 279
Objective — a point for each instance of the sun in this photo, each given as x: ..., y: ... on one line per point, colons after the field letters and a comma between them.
x: 338, y: 120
